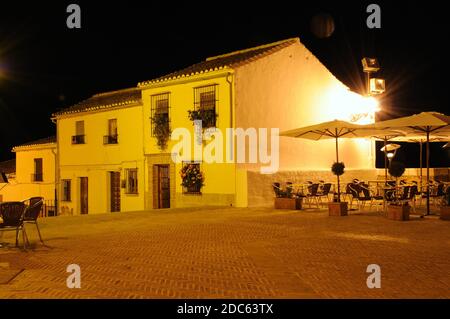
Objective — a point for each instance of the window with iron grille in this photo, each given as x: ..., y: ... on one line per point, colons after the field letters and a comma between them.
x: 160, y: 105
x: 66, y: 190
x: 131, y: 181
x: 205, y: 100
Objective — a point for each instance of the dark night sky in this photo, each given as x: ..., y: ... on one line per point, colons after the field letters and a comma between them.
x: 44, y: 66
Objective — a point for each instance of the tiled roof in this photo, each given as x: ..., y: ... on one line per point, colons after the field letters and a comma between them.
x: 105, y: 100
x: 42, y: 141
x: 8, y: 167
x: 233, y: 59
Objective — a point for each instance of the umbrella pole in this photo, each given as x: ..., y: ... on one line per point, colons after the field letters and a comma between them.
x: 385, y: 160
x: 421, y: 164
x: 428, y: 171
x: 337, y: 161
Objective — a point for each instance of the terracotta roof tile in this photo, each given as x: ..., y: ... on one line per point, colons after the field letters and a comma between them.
x: 105, y: 100
x: 42, y: 141
x: 233, y: 59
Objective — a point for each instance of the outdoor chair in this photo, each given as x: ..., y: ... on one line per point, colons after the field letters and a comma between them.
x: 367, y: 195
x: 12, y: 214
x: 32, y: 213
x: 277, y: 189
x: 413, y: 192
x: 324, y: 192
x: 312, y: 194
x: 354, y: 189
x: 437, y: 197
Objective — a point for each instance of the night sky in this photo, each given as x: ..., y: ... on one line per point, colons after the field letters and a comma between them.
x: 44, y: 66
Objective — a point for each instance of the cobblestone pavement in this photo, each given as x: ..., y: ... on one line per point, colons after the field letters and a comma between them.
x: 231, y: 253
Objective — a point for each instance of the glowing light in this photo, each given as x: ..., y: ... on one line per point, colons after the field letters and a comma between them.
x: 390, y: 155
x: 343, y: 104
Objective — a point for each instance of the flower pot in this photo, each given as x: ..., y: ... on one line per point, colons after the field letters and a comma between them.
x: 338, y: 209
x: 287, y: 203
x: 398, y: 212
x: 445, y: 212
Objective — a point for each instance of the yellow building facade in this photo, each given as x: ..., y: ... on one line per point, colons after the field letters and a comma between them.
x: 129, y: 150
x: 35, y: 173
x: 100, y: 162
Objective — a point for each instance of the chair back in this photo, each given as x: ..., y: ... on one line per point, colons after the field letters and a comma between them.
x: 440, y: 190
x: 312, y: 189
x: 12, y: 213
x: 364, y: 188
x: 326, y: 188
x: 413, y: 191
x: 354, y: 189
x: 405, y: 193
x: 277, y: 189
x: 34, y: 200
x: 32, y: 211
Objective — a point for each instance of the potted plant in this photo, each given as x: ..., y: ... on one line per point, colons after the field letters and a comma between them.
x: 336, y: 207
x: 396, y: 209
x: 207, y: 116
x: 192, y: 179
x: 286, y: 199
x: 445, y: 208
x: 161, y: 129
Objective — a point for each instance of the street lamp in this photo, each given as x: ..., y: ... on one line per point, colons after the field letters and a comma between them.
x: 374, y: 86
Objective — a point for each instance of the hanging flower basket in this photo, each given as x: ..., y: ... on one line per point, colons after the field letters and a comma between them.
x: 161, y: 129
x: 207, y: 116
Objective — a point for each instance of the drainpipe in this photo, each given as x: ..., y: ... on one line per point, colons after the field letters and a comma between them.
x: 56, y: 154
x: 229, y: 79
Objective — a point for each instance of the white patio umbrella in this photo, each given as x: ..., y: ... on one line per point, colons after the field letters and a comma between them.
x: 334, y: 130
x: 390, y: 147
x: 424, y: 124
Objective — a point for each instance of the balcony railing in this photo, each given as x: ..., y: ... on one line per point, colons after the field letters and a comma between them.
x: 110, y: 139
x: 37, y: 177
x: 78, y: 139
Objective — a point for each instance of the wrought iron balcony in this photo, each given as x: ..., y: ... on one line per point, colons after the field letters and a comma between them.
x: 78, y: 139
x: 110, y: 139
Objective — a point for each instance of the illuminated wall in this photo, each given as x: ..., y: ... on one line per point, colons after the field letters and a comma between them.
x: 290, y: 89
x: 95, y: 160
x: 24, y: 186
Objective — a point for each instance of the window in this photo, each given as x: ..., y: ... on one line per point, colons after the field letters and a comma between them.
x: 205, y: 98
x: 78, y: 138
x: 37, y: 176
x: 112, y: 137
x: 131, y: 181
x: 160, y: 120
x: 66, y: 188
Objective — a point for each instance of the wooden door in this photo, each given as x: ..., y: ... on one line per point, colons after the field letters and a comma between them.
x: 114, y: 178
x: 83, y: 195
x: 163, y: 186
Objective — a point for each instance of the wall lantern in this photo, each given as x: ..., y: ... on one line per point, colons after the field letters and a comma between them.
x: 377, y: 86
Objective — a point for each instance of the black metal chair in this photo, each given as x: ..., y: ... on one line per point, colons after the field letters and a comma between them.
x: 12, y: 214
x: 312, y: 194
x: 32, y: 213
x: 324, y: 192
x: 354, y: 190
x: 277, y: 189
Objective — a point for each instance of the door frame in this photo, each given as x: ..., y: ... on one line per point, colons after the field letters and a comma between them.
x: 81, y: 189
x: 157, y: 187
x: 110, y: 197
